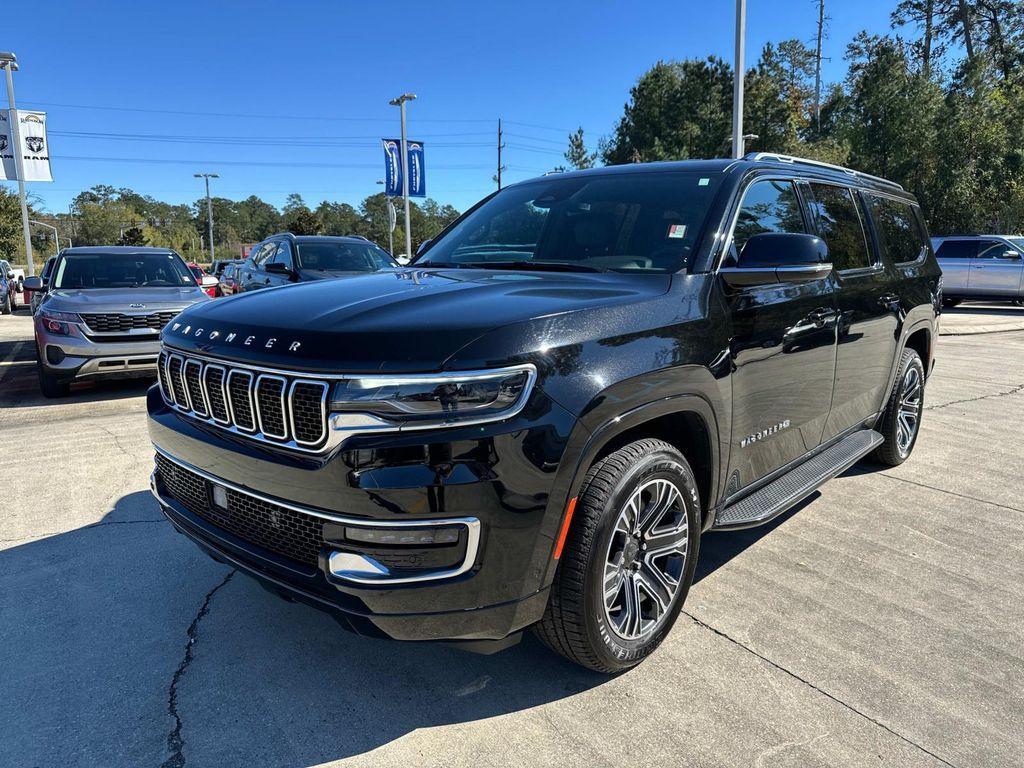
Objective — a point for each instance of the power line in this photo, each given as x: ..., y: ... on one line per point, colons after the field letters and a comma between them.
x: 265, y: 163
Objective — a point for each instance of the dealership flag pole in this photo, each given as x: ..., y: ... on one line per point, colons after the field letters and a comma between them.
x: 9, y: 62
x: 400, y: 103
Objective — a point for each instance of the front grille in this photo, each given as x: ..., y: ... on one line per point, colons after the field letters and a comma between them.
x: 277, y: 529
x: 117, y: 322
x: 279, y: 408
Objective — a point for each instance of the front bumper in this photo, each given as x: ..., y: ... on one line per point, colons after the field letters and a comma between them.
x: 497, y: 484
x: 78, y: 357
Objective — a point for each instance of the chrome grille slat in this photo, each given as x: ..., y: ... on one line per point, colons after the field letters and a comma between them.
x: 276, y: 407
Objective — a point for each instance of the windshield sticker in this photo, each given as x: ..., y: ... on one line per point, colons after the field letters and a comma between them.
x: 703, y: 182
x: 677, y: 230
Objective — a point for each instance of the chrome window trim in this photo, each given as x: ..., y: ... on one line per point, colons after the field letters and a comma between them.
x: 472, y: 525
x: 205, y: 413
x: 323, y: 410
x: 223, y: 390
x: 284, y: 405
x: 231, y: 403
x: 866, y: 224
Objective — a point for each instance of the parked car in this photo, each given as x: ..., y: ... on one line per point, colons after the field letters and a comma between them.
x: 204, y: 280
x: 36, y: 297
x: 218, y: 267
x: 7, y: 289
x: 535, y: 423
x: 981, y: 268
x: 10, y: 288
x: 229, y: 280
x: 18, y: 272
x: 286, y: 258
x: 103, y: 310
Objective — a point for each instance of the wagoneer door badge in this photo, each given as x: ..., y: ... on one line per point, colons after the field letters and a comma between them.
x: 764, y: 434
x: 271, y: 342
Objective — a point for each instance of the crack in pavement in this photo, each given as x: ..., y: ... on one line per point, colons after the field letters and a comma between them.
x: 99, y: 524
x: 951, y: 493
x: 175, y: 742
x: 1015, y: 391
x: 814, y: 687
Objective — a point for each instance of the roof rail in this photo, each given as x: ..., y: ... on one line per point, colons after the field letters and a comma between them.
x: 780, y: 158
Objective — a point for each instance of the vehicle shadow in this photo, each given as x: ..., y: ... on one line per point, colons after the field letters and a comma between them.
x: 116, y: 631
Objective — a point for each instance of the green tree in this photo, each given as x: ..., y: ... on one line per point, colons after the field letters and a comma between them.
x: 10, y: 224
x: 577, y: 155
x: 133, y: 236
x: 337, y: 218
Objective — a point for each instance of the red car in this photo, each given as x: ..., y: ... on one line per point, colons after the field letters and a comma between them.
x: 205, y: 280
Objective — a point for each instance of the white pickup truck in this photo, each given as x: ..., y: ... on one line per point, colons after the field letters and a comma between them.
x: 981, y: 267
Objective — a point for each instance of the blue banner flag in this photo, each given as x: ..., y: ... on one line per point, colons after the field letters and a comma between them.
x: 393, y: 168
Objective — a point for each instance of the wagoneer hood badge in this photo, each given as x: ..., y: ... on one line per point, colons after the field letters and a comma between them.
x: 232, y: 337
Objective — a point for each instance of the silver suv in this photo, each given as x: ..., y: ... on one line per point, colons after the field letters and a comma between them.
x: 102, y: 312
x: 981, y: 267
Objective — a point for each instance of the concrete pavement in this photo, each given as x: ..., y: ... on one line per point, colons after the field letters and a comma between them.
x: 880, y: 623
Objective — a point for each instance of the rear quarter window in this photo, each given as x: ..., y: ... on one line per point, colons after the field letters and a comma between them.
x: 899, y: 234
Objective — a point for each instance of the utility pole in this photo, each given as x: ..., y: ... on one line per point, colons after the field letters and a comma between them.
x: 739, y: 72
x: 400, y: 103
x: 9, y: 63
x: 817, y: 66
x: 209, y: 206
x: 501, y: 146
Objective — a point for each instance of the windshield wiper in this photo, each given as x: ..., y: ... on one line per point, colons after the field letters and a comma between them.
x: 550, y: 266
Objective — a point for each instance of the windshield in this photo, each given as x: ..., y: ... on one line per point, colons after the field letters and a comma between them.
x: 343, y: 257
x: 624, y: 222
x: 122, y: 270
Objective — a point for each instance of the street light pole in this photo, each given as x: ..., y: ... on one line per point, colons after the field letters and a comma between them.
x: 56, y: 240
x: 209, y: 206
x: 400, y: 103
x: 9, y: 63
x: 738, y: 73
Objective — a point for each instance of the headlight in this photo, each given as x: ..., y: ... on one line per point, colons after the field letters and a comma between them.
x: 439, y: 399
x: 57, y: 322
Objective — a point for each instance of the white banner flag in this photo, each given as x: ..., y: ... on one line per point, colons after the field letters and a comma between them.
x: 34, y: 145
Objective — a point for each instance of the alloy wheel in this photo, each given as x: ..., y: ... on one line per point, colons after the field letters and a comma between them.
x: 646, y: 559
x: 908, y: 414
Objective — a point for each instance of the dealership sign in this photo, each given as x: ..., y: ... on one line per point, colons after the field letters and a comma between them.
x: 393, y: 168
x: 35, y: 149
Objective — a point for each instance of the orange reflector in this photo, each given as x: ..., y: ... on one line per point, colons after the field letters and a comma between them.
x: 562, y: 534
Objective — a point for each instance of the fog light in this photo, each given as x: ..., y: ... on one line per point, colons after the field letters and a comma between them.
x: 54, y: 355
x: 414, y: 537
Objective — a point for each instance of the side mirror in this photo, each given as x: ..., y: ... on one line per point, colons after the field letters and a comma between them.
x: 10, y: 275
x: 777, y: 257
x: 32, y: 284
x: 1010, y: 255
x: 276, y: 268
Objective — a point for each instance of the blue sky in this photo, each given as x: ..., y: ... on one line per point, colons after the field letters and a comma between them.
x: 323, y: 72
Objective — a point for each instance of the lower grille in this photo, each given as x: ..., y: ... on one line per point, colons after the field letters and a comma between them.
x: 271, y: 527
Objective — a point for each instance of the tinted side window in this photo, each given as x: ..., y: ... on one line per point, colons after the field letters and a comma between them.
x: 768, y: 206
x: 897, y: 229
x: 991, y: 249
x: 262, y: 252
x: 284, y: 254
x: 957, y: 249
x: 841, y: 227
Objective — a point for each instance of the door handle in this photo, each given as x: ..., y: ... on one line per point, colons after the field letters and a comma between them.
x: 888, y: 299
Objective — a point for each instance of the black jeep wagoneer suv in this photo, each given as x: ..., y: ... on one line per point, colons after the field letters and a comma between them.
x: 534, y: 424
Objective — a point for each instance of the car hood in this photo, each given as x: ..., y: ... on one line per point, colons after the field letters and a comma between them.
x: 122, y: 299
x: 401, y: 320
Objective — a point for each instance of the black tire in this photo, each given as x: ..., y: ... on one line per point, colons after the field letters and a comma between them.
x: 52, y: 386
x: 951, y: 302
x: 577, y: 624
x: 5, y: 308
x: 897, y: 446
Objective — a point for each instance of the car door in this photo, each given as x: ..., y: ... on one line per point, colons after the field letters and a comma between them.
x: 955, y: 257
x: 996, y: 269
x: 249, y: 276
x: 783, y: 346
x: 868, y: 302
